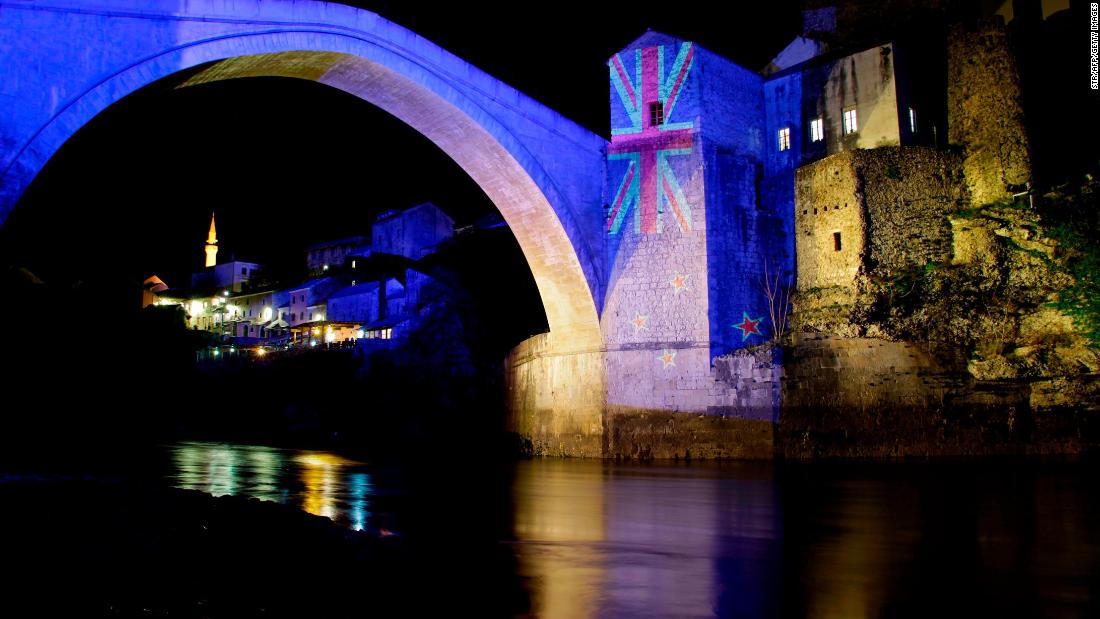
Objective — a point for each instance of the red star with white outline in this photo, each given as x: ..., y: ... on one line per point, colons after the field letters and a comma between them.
x: 668, y: 357
x: 749, y: 326
x: 640, y: 322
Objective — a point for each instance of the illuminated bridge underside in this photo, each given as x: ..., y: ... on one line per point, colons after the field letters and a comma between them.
x: 540, y: 170
x: 568, y: 302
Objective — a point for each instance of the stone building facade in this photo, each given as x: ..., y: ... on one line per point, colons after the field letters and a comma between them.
x: 833, y: 173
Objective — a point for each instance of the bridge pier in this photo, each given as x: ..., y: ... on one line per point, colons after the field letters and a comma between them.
x: 562, y: 403
x: 557, y: 397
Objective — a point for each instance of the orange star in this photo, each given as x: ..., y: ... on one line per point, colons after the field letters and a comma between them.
x: 639, y: 322
x: 668, y: 357
x: 679, y: 283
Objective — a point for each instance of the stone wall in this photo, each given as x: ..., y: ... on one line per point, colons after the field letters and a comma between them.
x: 908, y: 194
x: 555, y: 401
x: 749, y: 381
x: 865, y: 216
x: 890, y: 205
x: 985, y: 113
x: 558, y: 403
x: 829, y: 202
x: 855, y: 396
x: 651, y: 434
x: 893, y: 399
x: 726, y: 412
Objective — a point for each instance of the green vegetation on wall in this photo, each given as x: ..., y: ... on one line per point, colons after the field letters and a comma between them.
x: 1073, y: 220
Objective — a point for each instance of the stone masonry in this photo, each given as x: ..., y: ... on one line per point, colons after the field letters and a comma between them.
x: 985, y: 114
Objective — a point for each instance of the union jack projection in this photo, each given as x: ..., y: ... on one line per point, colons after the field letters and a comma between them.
x: 649, y: 97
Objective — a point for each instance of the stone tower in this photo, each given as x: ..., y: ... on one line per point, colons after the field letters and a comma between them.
x: 212, y: 244
x: 985, y: 111
x: 687, y: 234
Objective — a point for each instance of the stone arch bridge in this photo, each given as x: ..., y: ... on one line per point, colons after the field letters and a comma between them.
x: 64, y: 61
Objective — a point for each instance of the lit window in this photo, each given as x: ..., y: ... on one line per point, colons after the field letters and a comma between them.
x: 656, y: 113
x: 851, y: 123
x: 912, y: 120
x: 353, y: 266
x: 817, y: 130
x: 785, y: 138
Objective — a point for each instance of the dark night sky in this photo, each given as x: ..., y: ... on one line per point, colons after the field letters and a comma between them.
x: 286, y: 163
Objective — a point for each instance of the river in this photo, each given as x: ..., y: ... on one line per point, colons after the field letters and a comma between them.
x: 995, y: 537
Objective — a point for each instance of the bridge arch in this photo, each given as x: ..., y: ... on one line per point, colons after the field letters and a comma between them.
x: 541, y: 171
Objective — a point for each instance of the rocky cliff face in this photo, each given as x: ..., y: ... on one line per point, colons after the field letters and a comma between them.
x: 981, y: 346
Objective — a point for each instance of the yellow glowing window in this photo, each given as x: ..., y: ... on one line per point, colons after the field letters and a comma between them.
x: 785, y: 138
x: 851, y: 122
x: 817, y: 129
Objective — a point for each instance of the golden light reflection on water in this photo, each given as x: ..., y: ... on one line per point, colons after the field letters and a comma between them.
x: 847, y: 571
x: 598, y: 539
x: 559, y: 522
x: 330, y: 485
x: 323, y: 476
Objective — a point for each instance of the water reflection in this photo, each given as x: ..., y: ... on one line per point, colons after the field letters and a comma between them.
x: 847, y: 570
x: 596, y: 539
x: 855, y: 540
x: 317, y: 482
x: 636, y: 541
x: 359, y: 485
x: 560, y: 529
